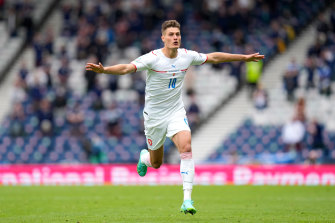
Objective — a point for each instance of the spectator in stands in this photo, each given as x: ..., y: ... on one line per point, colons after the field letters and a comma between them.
x: 278, y: 36
x: 47, y: 70
x: 324, y: 73
x: 291, y: 78
x: 49, y: 42
x: 83, y: 44
x: 38, y: 77
x: 75, y: 116
x: 113, y: 120
x: 23, y: 71
x: 310, y: 67
x: 36, y: 87
x: 316, y: 130
x: 114, y: 128
x: 146, y: 46
x: 193, y: 111
x: 97, y: 103
x: 106, y: 30
x: 64, y: 71
x: 139, y: 86
x: 100, y: 47
x: 12, y: 22
x: 253, y: 73
x: 97, y: 154
x: 38, y: 48
x: 322, y: 26
x: 70, y: 18
x: 293, y: 133
x: 328, y: 57
x: 318, y: 149
x: 28, y: 23
x: 236, y: 71
x: 260, y: 97
x: 62, y: 53
x: 61, y: 96
x: 45, y: 117
x: 19, y: 91
x: 17, y: 121
x: 113, y: 83
x: 90, y: 76
x: 315, y: 49
x: 300, y: 110
x: 313, y: 157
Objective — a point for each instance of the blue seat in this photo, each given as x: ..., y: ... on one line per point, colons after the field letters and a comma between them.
x: 263, y: 145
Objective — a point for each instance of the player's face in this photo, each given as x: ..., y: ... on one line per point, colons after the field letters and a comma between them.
x: 171, y: 38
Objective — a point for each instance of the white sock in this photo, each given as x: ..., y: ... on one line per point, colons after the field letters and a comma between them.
x: 146, y: 159
x: 187, y: 194
x: 187, y: 173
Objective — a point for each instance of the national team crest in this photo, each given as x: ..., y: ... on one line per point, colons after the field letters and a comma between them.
x: 150, y: 142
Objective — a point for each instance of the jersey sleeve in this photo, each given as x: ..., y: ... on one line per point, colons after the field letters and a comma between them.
x: 143, y: 62
x: 197, y: 58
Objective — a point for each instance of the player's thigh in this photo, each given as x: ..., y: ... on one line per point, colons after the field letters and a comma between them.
x: 179, y: 131
x: 182, y: 140
x: 155, y: 132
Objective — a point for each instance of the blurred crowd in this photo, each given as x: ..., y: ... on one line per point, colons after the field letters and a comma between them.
x: 319, y: 63
x: 308, y: 136
x: 319, y: 72
x: 316, y: 73
x: 17, y: 14
x: 303, y: 138
x: 97, y: 27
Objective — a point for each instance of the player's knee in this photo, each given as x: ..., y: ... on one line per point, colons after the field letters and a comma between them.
x: 156, y: 164
x: 187, y: 148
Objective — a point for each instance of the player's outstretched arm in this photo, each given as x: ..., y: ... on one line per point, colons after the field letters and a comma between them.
x: 118, y: 69
x: 219, y: 57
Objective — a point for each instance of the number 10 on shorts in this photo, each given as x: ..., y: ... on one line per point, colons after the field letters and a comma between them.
x: 172, y: 83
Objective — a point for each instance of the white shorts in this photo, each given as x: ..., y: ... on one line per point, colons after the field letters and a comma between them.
x: 156, y: 130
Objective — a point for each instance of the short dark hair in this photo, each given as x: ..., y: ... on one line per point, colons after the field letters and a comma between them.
x: 170, y: 23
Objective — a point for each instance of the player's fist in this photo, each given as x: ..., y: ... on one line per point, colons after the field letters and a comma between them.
x: 98, y: 68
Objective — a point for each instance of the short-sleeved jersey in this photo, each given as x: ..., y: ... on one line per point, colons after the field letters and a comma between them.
x: 164, y: 81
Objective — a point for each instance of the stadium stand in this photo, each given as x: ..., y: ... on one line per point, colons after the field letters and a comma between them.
x: 18, y: 21
x: 304, y: 98
x: 62, y: 114
x: 252, y: 144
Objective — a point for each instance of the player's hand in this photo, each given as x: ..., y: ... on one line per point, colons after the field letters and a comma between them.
x: 255, y: 57
x: 98, y: 68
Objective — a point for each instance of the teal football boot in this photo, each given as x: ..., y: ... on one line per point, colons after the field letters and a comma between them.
x: 141, y: 167
x: 187, y: 207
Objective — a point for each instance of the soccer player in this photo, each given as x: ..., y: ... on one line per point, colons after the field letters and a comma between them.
x: 164, y: 112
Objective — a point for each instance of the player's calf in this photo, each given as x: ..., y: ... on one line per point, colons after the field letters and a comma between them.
x: 156, y: 163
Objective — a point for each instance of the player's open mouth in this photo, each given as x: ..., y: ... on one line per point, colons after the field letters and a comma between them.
x: 175, y: 43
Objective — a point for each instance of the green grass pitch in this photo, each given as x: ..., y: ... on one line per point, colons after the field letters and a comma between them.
x: 162, y: 203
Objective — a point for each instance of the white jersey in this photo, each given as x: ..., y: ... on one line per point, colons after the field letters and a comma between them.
x: 165, y: 77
